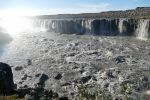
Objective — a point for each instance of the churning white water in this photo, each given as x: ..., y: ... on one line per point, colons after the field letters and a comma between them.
x: 142, y: 30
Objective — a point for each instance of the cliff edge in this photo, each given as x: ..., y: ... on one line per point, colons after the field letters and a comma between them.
x: 138, y: 13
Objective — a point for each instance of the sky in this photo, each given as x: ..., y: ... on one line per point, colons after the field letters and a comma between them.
x: 40, y: 7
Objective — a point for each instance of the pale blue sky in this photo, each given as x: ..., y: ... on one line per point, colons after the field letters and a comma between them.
x: 68, y: 6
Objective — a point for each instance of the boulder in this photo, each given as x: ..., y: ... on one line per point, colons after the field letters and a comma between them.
x: 6, y: 79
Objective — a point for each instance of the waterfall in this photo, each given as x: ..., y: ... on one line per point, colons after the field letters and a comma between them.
x: 121, y: 26
x: 87, y: 24
x: 143, y: 29
x: 109, y: 27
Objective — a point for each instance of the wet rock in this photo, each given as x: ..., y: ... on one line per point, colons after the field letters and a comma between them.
x: 72, y: 54
x: 66, y: 84
x: 110, y: 73
x: 120, y: 59
x: 107, y: 74
x: 49, y: 94
x: 75, y: 67
x: 18, y: 68
x: 21, y: 82
x: 58, y: 76
x: 105, y: 84
x: 63, y: 98
x: 29, y: 62
x: 85, y: 79
x: 25, y: 86
x: 94, y: 78
x: 6, y: 79
x: 24, y: 77
x: 144, y: 79
x: 93, y: 52
x: 134, y: 62
x: 42, y: 80
x: 81, y: 71
x: 37, y: 75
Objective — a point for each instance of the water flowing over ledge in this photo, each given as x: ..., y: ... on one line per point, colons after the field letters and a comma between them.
x: 107, y: 27
x: 139, y: 28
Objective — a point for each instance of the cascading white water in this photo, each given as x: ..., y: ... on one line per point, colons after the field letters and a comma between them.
x: 121, y: 26
x: 40, y: 24
x: 60, y: 25
x: 45, y: 24
x: 94, y: 26
x: 142, y: 30
x: 87, y: 24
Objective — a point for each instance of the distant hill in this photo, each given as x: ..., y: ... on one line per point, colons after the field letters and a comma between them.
x: 138, y: 13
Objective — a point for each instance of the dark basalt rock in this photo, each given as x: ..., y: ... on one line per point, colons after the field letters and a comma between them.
x: 24, y: 77
x: 6, y: 79
x: 29, y: 62
x: 85, y: 79
x: 58, y: 77
x: 82, y: 80
x: 18, y: 68
x: 37, y: 75
x: 63, y: 98
x: 120, y: 59
x: 42, y: 80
